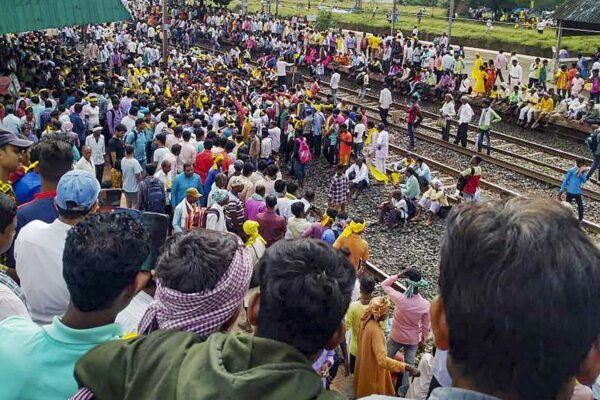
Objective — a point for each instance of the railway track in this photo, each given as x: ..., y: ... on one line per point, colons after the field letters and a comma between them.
x: 514, y: 162
x: 449, y: 174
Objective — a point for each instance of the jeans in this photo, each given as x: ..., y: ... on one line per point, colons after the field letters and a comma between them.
x: 461, y: 135
x: 446, y: 131
x: 317, y: 141
x: 499, y: 74
x: 99, y: 172
x: 299, y: 170
x: 410, y: 353
x: 362, y: 91
x: 334, y: 95
x: 358, y: 147
x: 480, y: 140
x: 579, y: 201
x: 383, y: 113
x: 411, y: 135
x: 595, y: 166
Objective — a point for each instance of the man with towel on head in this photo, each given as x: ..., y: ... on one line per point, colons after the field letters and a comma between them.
x: 202, y: 277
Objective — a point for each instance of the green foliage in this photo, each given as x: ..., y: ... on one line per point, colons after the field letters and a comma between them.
x: 325, y: 21
x: 221, y: 3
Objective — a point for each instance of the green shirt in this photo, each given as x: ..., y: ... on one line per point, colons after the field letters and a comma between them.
x: 39, y: 361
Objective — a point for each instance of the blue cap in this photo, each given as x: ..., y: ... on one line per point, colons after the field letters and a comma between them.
x: 79, y: 187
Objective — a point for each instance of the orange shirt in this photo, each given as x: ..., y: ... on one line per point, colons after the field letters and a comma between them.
x: 359, y: 248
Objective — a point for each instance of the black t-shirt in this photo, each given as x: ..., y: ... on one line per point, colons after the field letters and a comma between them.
x: 118, y: 147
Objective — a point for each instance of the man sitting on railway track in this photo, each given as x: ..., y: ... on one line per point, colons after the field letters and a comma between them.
x: 510, y: 299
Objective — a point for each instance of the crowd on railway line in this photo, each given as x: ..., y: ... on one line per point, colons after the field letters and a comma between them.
x: 207, y: 148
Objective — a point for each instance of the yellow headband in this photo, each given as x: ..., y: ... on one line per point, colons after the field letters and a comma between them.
x: 354, y: 227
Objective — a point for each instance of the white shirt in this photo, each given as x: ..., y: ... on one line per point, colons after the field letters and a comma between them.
x: 334, y: 83
x: 275, y: 135
x: 448, y: 109
x: 385, y: 98
x: 214, y: 223
x: 128, y: 122
x: 359, y: 132
x: 159, y: 128
x: 281, y: 66
x: 465, y: 114
x: 12, y: 123
x: 515, y: 72
x: 130, y: 317
x: 381, y: 144
x: 98, y: 149
x: 158, y: 155
x: 362, y: 173
x: 266, y: 147
x: 11, y: 305
x: 92, y: 114
x: 86, y: 165
x: 38, y: 256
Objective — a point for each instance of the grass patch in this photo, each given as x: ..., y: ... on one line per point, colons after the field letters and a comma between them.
x: 471, y: 32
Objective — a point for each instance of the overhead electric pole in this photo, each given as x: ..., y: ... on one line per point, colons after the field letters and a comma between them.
x: 164, y: 34
x: 450, y: 18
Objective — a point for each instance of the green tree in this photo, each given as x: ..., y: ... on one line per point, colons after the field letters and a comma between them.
x: 325, y: 21
x: 221, y: 3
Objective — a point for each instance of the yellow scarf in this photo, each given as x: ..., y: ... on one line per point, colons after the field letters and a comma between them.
x: 216, y: 159
x: 353, y: 227
x: 251, y: 229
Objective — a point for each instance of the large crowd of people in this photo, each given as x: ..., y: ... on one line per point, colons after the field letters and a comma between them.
x: 214, y: 151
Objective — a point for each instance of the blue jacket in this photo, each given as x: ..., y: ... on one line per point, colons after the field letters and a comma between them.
x: 572, y: 182
x: 181, y: 184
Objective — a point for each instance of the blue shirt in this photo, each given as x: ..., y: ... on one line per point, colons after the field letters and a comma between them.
x: 181, y: 184
x: 27, y: 186
x: 572, y: 182
x: 42, y: 358
x: 318, y: 121
x: 139, y: 145
x: 210, y: 179
x: 130, y: 167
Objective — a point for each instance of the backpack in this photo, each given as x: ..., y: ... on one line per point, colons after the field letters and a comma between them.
x: 411, y: 207
x: 154, y: 196
x: 592, y: 141
x: 205, y: 212
x: 462, y: 180
x: 360, y: 79
x: 304, y: 153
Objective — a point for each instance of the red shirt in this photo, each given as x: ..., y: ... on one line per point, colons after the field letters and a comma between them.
x: 412, y: 111
x: 204, y: 162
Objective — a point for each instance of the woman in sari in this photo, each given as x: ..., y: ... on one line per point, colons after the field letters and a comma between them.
x: 373, y: 366
x: 480, y: 79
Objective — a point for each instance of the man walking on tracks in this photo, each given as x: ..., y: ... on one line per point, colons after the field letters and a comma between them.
x: 593, y: 143
x: 412, y: 111
x: 487, y: 118
x: 572, y: 183
x: 385, y: 101
x: 465, y: 115
x: 380, y: 145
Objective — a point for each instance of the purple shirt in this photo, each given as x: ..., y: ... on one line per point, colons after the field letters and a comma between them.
x: 253, y: 208
x: 326, y: 355
x: 272, y: 227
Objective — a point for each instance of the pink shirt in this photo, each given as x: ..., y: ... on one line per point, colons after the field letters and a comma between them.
x: 411, y: 315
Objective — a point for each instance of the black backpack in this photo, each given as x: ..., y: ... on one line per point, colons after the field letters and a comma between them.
x: 154, y: 196
x: 592, y: 141
x: 462, y: 180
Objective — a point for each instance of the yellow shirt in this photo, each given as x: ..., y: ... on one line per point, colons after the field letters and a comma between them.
x: 359, y: 248
x: 374, y: 42
x: 546, y: 105
x: 352, y: 322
